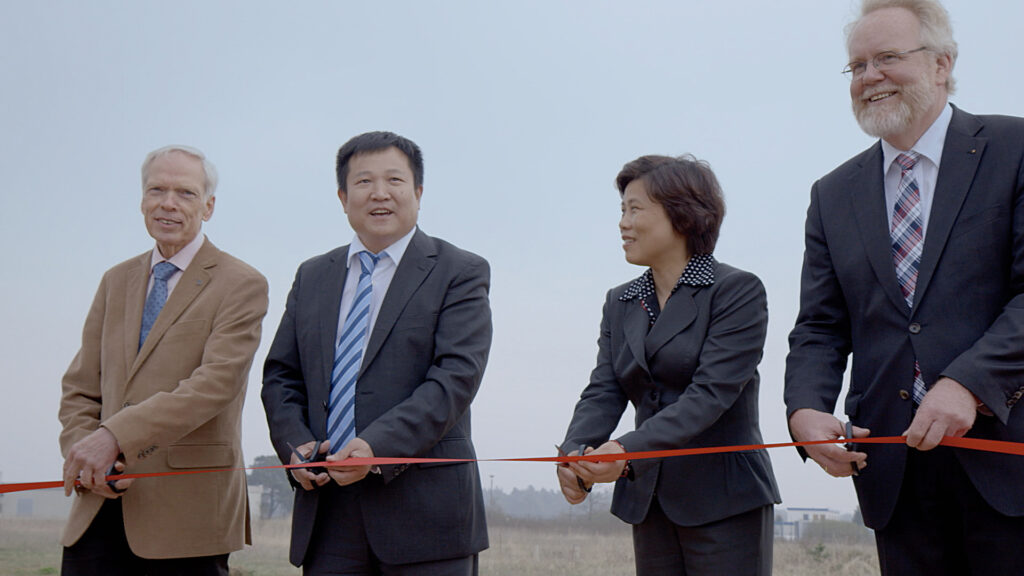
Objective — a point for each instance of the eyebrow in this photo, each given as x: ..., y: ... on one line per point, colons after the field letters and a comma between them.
x: 388, y: 171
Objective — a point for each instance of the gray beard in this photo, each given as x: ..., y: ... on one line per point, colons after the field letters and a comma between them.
x: 882, y: 123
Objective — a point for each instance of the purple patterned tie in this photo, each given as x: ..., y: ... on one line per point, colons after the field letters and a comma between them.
x: 907, y: 240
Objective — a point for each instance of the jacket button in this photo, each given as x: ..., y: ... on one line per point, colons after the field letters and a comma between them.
x: 914, y: 328
x: 904, y: 395
x: 654, y: 395
x: 126, y: 404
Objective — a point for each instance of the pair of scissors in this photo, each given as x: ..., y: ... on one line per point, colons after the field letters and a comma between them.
x: 850, y: 447
x: 314, y: 456
x: 579, y: 481
x: 113, y: 483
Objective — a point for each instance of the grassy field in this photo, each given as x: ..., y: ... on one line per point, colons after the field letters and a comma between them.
x: 30, y: 547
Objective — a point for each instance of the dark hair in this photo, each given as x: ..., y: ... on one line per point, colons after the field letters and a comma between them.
x: 688, y: 191
x: 375, y: 142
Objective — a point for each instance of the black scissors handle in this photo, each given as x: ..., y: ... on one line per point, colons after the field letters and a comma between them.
x: 314, y: 456
x: 113, y: 483
x: 850, y: 446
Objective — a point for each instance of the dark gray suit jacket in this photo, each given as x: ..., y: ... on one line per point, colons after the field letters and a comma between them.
x: 693, y: 381
x: 967, y: 321
x: 424, y: 361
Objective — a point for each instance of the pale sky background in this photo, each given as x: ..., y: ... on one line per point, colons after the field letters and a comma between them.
x: 525, y: 112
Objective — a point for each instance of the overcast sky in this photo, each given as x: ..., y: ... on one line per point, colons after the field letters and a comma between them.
x: 525, y: 112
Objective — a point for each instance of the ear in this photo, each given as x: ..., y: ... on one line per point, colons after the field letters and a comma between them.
x: 343, y: 196
x: 944, y: 68
x: 209, y: 208
x: 419, y: 192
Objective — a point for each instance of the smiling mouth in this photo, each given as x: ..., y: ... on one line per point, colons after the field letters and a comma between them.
x: 381, y: 212
x: 166, y: 222
x: 880, y: 96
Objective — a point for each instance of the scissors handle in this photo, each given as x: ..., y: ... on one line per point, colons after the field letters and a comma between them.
x: 314, y: 456
x: 850, y: 446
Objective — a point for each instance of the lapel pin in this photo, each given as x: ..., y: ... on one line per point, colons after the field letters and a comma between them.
x: 973, y: 151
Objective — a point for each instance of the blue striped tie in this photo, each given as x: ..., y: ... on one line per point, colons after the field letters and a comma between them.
x: 156, y: 299
x: 348, y: 356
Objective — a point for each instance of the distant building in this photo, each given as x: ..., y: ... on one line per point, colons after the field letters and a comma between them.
x: 791, y: 523
x: 35, y: 504
x: 256, y: 500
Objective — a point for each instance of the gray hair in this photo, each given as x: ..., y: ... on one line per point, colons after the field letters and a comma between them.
x: 936, y: 30
x: 209, y: 170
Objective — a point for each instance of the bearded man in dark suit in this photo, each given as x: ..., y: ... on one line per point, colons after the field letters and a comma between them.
x: 914, y: 265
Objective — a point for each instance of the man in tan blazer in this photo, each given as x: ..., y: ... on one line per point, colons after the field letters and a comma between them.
x: 158, y: 386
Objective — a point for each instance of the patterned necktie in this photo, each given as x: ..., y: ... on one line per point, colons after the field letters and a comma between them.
x: 907, y: 240
x: 348, y: 356
x: 157, y: 297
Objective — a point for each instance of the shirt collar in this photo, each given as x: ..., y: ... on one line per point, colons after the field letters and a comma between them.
x: 394, y: 251
x: 929, y: 145
x: 183, y: 257
x: 699, y: 271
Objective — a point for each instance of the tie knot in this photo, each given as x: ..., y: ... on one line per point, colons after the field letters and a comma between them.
x: 908, y: 161
x: 164, y: 270
x: 368, y: 260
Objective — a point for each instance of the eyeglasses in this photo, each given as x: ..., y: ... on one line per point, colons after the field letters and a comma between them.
x: 882, y: 62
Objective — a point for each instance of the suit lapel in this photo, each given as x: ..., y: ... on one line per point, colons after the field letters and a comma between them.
x: 193, y: 281
x: 867, y: 203
x: 680, y: 311
x: 329, y: 289
x: 417, y: 262
x: 961, y: 155
x: 134, y: 302
x: 634, y: 326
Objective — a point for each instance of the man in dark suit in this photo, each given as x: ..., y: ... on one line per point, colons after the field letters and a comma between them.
x: 158, y: 386
x: 395, y: 327
x: 914, y: 264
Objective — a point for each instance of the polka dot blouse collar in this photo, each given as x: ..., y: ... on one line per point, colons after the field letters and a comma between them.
x: 699, y: 271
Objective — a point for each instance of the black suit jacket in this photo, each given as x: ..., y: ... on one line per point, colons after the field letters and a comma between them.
x: 424, y: 361
x: 693, y: 381
x: 967, y: 321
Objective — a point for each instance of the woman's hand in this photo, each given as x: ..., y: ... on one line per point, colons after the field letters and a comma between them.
x: 594, y: 472
x: 570, y: 483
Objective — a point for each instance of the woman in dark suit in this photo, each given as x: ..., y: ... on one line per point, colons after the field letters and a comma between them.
x: 681, y: 343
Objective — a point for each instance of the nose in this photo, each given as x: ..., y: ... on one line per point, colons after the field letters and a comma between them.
x: 624, y: 223
x: 871, y: 74
x: 379, y: 192
x: 169, y: 201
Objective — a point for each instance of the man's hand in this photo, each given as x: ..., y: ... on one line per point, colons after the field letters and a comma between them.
x: 809, y: 425
x: 594, y: 472
x: 567, y: 479
x: 122, y: 484
x: 345, y: 475
x: 89, y: 460
x: 948, y: 409
x: 303, y: 476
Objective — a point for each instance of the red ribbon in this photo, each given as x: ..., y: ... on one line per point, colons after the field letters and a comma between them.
x: 997, y: 446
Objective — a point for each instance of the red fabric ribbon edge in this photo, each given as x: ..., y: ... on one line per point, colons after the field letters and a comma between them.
x: 996, y: 446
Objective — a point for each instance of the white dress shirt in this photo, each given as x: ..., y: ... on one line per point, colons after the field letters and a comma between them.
x: 182, y: 259
x: 929, y: 146
x: 383, y: 272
